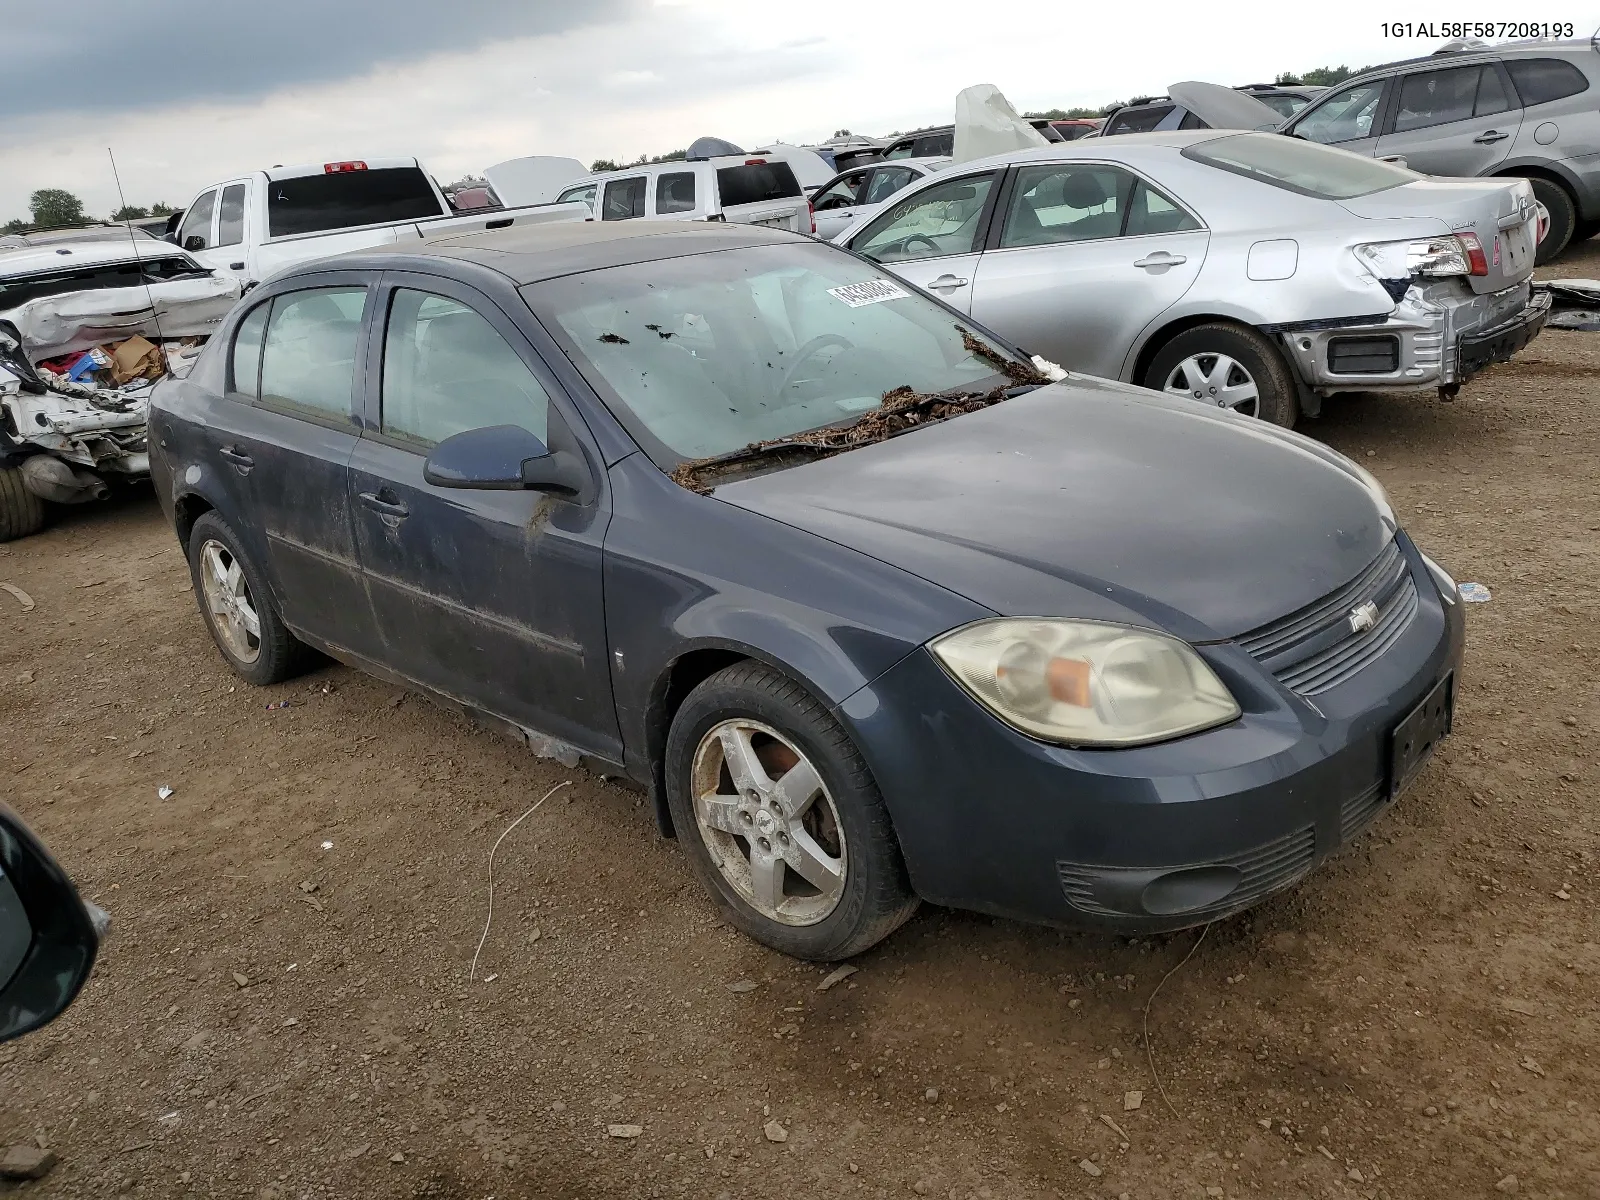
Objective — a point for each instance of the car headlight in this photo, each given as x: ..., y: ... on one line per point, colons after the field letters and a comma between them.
x: 1085, y: 683
x: 1446, y: 582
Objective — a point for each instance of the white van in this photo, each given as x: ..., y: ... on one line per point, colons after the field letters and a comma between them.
x: 744, y: 189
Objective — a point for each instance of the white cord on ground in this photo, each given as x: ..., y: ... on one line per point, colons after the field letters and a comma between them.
x: 1149, y: 1053
x: 490, y: 920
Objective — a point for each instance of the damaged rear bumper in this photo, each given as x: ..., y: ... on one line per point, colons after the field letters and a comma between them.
x: 1437, y: 336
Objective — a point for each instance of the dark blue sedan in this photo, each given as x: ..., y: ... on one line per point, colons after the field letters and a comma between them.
x: 874, y: 609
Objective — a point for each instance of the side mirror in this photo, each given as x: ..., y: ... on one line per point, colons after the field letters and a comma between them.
x: 504, y: 458
x: 194, y: 242
x: 48, y: 937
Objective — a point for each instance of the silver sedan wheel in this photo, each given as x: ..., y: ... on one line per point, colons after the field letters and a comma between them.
x: 769, y: 823
x: 1215, y: 379
x: 229, y: 603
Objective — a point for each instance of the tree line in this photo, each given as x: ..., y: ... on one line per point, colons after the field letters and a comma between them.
x: 49, y: 208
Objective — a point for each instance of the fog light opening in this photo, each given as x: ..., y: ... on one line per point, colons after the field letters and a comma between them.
x: 1190, y: 889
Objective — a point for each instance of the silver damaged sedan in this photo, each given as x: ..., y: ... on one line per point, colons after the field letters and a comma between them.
x: 1247, y: 270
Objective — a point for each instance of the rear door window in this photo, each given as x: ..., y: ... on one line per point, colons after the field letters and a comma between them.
x: 197, y: 223
x: 1066, y: 203
x: 675, y: 192
x: 755, y: 183
x: 844, y: 192
x: 1345, y: 116
x: 1439, y: 97
x: 230, y: 217
x: 1541, y: 80
x: 624, y: 199
x: 347, y: 199
x: 939, y: 220
x: 309, y: 353
x: 446, y: 369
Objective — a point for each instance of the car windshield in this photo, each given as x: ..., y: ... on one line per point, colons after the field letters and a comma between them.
x: 1300, y: 166
x: 706, y: 354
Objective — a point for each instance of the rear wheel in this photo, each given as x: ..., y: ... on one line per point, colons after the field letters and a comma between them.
x: 238, y: 608
x: 1563, y: 218
x: 1226, y: 366
x: 1585, y: 230
x: 21, y: 512
x: 781, y: 819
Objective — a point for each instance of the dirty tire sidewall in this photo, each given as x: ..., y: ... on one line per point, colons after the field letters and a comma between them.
x: 21, y: 512
x: 1279, y: 400
x: 282, y: 655
x: 877, y: 896
x: 1563, y: 219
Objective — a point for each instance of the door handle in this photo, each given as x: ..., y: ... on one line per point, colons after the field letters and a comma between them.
x: 1491, y: 135
x: 385, y: 508
x: 239, y: 266
x: 237, y: 457
x: 949, y: 282
x: 1160, y: 259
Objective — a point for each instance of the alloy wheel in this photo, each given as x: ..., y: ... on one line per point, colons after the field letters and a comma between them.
x: 228, y: 602
x: 770, y: 825
x: 1215, y: 379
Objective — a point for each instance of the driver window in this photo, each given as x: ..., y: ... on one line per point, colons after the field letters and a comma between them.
x: 937, y: 221
x: 197, y: 222
x: 446, y: 370
x: 887, y: 182
x: 1345, y: 116
x: 843, y: 194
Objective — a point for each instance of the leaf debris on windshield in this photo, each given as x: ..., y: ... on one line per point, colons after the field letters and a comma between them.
x: 614, y: 339
x: 901, y: 409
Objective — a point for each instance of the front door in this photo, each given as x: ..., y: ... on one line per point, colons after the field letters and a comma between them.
x: 1456, y: 121
x: 284, y: 445
x: 1088, y: 254
x: 492, y: 598
x: 932, y: 237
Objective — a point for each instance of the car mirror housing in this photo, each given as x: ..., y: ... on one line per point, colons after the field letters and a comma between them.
x: 194, y: 242
x: 503, y: 458
x: 48, y: 936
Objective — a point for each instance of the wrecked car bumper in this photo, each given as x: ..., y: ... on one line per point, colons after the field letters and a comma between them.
x: 1159, y: 837
x: 1435, y: 337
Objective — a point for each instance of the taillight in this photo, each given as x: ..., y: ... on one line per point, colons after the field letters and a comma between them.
x: 811, y: 215
x: 1477, y: 264
x: 755, y: 162
x: 339, y: 168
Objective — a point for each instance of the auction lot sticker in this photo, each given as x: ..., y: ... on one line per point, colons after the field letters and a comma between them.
x: 874, y: 291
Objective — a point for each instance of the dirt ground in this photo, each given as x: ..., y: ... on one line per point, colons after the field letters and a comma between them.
x: 284, y: 1010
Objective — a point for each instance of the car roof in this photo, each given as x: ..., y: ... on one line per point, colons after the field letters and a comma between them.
x: 1174, y: 139
x: 1473, y: 54
x: 530, y: 253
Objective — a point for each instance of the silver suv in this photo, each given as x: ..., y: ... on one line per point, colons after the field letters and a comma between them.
x: 1525, y: 108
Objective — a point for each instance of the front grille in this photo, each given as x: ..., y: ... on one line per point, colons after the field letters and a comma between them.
x: 1356, y: 813
x: 1378, y: 355
x: 1315, y: 649
x: 1265, y: 869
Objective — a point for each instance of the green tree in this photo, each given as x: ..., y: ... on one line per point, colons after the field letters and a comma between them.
x: 161, y: 209
x: 53, y: 206
x: 604, y: 164
x: 15, y: 225
x: 130, y: 212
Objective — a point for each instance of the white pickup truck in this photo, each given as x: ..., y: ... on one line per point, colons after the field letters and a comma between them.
x: 259, y: 224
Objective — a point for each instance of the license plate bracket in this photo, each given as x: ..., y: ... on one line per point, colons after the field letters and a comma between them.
x: 1419, y: 732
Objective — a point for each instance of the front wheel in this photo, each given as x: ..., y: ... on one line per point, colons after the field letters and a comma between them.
x: 781, y: 818
x: 1227, y: 366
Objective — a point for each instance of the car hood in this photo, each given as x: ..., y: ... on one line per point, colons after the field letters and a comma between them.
x: 1224, y: 108
x: 1094, y: 499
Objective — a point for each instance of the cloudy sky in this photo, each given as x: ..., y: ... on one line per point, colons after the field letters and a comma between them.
x: 191, y: 91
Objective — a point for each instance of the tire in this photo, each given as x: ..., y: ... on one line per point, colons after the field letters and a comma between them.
x: 21, y: 512
x: 1563, y: 219
x: 786, y: 728
x: 272, y: 654
x: 1205, y: 352
x: 1584, y: 230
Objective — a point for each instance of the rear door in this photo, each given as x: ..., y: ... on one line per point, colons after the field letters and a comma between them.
x: 1085, y: 256
x: 284, y: 443
x: 1348, y: 118
x: 933, y: 237
x: 491, y: 597
x: 1453, y: 121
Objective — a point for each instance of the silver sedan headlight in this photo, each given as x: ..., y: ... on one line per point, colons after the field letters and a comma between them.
x: 1085, y: 683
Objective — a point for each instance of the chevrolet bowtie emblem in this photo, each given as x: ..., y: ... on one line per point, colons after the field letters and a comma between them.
x: 1364, y: 617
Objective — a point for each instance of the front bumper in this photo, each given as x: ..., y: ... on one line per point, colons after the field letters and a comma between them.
x: 994, y: 821
x: 1437, y: 336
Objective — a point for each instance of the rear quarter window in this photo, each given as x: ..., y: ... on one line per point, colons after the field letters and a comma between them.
x: 1541, y: 80
x: 1299, y: 166
x: 347, y: 199
x: 1137, y: 120
x: 756, y: 183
